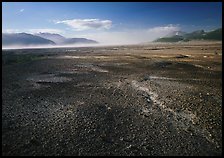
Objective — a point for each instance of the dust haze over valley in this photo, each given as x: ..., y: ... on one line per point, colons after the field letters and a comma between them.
x: 149, y: 36
x: 112, y: 79
x: 105, y: 38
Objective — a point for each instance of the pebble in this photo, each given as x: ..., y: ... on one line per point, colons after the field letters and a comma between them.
x: 129, y: 146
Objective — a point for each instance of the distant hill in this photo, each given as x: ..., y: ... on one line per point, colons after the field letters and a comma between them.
x: 79, y: 40
x: 195, y: 35
x: 60, y: 40
x: 176, y: 33
x: 215, y: 35
x: 25, y: 39
x: 170, y: 39
x: 9, y: 39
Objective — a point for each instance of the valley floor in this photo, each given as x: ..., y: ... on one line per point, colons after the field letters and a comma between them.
x: 125, y: 100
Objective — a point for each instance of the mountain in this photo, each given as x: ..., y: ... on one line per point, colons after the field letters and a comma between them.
x: 79, y: 40
x: 215, y: 35
x: 199, y: 34
x: 60, y: 40
x: 175, y: 38
x: 176, y: 33
x: 24, y: 39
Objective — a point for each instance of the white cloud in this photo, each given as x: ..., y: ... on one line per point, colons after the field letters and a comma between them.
x: 21, y: 10
x: 87, y: 24
x: 166, y: 29
x: 11, y: 31
x: 45, y: 31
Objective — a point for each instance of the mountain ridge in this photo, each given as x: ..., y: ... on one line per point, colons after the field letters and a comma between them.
x: 26, y: 39
x: 215, y: 35
x: 59, y: 39
x: 9, y: 39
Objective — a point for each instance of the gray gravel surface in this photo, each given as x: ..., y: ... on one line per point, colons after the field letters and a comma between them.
x: 111, y: 103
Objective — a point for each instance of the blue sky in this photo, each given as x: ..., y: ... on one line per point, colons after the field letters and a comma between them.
x: 110, y: 19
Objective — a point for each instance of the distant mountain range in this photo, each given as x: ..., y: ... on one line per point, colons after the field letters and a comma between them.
x: 56, y: 38
x: 176, y: 33
x: 25, y: 39
x: 60, y: 40
x: 180, y: 36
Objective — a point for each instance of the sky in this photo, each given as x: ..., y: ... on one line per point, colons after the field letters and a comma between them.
x: 111, y: 22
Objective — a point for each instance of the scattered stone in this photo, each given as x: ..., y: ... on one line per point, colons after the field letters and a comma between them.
x: 182, y: 56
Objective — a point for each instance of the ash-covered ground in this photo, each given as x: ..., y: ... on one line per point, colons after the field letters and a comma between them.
x: 126, y: 100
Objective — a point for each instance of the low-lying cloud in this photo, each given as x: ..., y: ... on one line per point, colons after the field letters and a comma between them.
x: 109, y: 37
x: 45, y: 31
x: 87, y: 24
x: 131, y: 36
x: 164, y: 29
x: 33, y: 31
